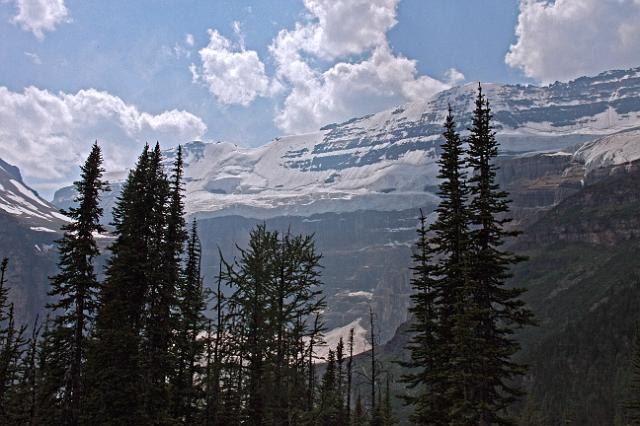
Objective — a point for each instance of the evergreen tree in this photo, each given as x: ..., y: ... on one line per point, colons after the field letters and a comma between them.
x: 50, y: 373
x: 275, y: 282
x: 340, y: 376
x: 349, y: 376
x: 165, y: 247
x: 490, y: 311
x: 75, y: 286
x: 437, y: 285
x: 423, y: 376
x: 12, y: 347
x: 374, y: 372
x: 330, y: 404
x: 21, y: 402
x: 192, y: 324
x: 115, y: 358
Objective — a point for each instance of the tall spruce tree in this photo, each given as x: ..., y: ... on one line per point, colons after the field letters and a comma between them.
x: 422, y: 378
x: 439, y: 274
x: 75, y: 286
x: 115, y: 358
x: 165, y: 247
x: 192, y: 324
x: 491, y: 310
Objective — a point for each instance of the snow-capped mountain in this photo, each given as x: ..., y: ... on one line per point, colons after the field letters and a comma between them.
x: 29, y: 227
x: 622, y: 148
x: 22, y: 203
x: 357, y: 185
x: 387, y: 161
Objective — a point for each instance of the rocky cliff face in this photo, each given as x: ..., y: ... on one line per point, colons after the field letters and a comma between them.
x: 29, y: 225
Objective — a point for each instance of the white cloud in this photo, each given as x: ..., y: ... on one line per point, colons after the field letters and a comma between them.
x: 233, y: 75
x: 567, y: 38
x: 348, y: 88
x: 189, y: 40
x: 345, y: 27
x: 334, y: 64
x: 47, y: 135
x: 39, y: 16
x: 454, y: 76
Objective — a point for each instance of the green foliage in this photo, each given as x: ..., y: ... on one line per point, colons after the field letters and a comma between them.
x: 464, y: 314
x: 12, y: 348
x: 276, y: 293
x: 74, y: 288
x: 189, y: 347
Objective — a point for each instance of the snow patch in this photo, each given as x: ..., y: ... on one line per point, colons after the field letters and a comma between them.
x: 617, y: 149
x: 360, y: 342
x: 41, y: 229
x: 365, y: 294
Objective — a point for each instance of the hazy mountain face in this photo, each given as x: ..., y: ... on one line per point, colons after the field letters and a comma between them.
x: 358, y: 185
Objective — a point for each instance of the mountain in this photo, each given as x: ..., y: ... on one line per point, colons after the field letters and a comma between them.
x: 387, y: 161
x: 358, y: 185
x: 23, y: 204
x: 29, y: 225
x: 583, y: 282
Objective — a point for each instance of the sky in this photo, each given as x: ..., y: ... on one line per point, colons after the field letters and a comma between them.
x: 129, y: 72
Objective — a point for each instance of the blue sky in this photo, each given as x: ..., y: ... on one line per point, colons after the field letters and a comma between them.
x: 127, y: 49
x: 247, y: 71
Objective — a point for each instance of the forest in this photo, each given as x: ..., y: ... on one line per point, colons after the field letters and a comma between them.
x: 145, y: 342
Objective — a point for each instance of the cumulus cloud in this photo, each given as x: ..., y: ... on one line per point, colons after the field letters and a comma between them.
x: 334, y: 64
x: 47, y: 134
x: 344, y: 27
x: 337, y: 29
x: 565, y: 39
x: 233, y: 75
x: 39, y: 16
x: 454, y: 76
x: 348, y: 89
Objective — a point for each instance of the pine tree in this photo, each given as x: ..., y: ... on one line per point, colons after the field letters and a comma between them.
x: 340, y: 376
x: 75, y: 286
x: 12, y: 346
x: 437, y: 285
x: 165, y: 247
x: 349, y: 376
x: 329, y: 406
x: 21, y: 402
x: 491, y: 310
x: 372, y: 355
x: 115, y: 358
x: 50, y: 373
x: 423, y: 368
x: 275, y: 282
x: 189, y: 346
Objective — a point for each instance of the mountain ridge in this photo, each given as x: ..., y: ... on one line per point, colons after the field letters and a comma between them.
x: 388, y: 160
